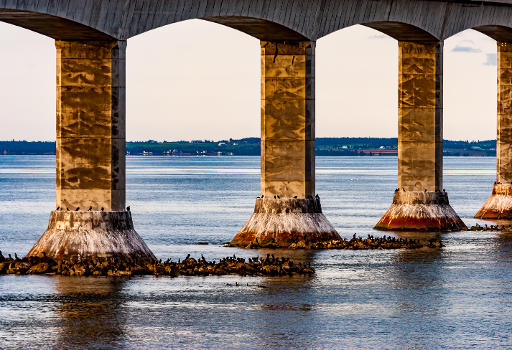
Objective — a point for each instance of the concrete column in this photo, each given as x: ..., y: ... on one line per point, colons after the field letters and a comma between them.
x: 499, y: 204
x: 90, y: 216
x: 288, y: 211
x: 91, y: 125
x: 420, y: 203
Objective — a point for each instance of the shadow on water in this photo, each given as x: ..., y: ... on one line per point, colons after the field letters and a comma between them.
x: 88, y: 313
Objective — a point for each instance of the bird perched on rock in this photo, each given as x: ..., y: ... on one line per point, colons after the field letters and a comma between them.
x: 128, y: 208
x: 77, y: 209
x: 90, y: 208
x: 16, y: 256
x: 102, y: 209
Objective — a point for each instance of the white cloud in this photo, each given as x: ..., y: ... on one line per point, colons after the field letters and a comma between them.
x: 491, y: 59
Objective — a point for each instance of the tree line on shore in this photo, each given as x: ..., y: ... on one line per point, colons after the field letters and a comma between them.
x: 343, y: 146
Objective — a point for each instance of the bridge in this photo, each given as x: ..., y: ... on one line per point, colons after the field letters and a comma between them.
x: 90, y: 39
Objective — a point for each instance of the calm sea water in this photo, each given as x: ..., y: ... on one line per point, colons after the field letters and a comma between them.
x: 458, y: 297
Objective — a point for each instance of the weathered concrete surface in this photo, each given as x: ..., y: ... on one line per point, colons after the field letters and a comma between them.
x: 91, y: 125
x: 504, y: 129
x: 91, y: 156
x: 90, y: 233
x: 283, y: 222
x: 264, y: 19
x: 420, y: 144
x: 499, y: 205
x: 420, y: 211
x: 287, y: 119
x: 419, y: 203
x: 287, y: 213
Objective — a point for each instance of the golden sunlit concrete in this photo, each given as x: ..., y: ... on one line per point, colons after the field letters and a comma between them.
x: 420, y: 202
x: 287, y: 212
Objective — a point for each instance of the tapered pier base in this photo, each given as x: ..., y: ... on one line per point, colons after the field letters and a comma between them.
x: 420, y: 211
x: 75, y: 234
x: 499, y: 204
x: 283, y: 222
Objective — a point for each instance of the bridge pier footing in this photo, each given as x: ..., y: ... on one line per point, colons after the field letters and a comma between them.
x: 420, y: 211
x: 288, y: 211
x: 283, y: 222
x: 499, y: 204
x: 91, y: 233
x: 91, y: 218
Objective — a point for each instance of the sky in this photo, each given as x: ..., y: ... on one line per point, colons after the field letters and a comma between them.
x: 198, y: 80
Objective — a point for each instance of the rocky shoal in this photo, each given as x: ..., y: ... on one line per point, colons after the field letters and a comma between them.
x: 126, y: 267
x: 358, y: 243
x: 479, y: 227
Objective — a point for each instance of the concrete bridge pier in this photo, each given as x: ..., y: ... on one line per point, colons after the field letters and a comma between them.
x: 288, y: 211
x: 499, y: 204
x: 420, y: 203
x: 90, y: 218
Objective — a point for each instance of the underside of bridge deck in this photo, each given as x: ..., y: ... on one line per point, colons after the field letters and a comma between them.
x: 55, y: 27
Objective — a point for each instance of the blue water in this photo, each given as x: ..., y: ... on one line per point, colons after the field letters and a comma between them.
x: 458, y: 297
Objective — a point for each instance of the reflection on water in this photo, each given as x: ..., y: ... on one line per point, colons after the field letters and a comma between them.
x: 457, y: 297
x: 418, y: 285
x: 89, y: 314
x: 286, y: 307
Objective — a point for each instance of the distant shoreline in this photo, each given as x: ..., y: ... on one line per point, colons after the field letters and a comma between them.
x: 338, y: 147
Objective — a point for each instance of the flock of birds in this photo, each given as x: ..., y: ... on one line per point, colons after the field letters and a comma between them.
x: 122, y: 266
x: 90, y: 209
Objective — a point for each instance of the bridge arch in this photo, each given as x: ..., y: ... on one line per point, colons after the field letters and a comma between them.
x: 402, y: 31
x: 496, y: 32
x: 58, y: 28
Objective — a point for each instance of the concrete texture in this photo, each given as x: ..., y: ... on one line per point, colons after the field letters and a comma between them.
x: 263, y: 19
x: 420, y: 139
x: 504, y: 129
x: 287, y: 119
x: 75, y: 234
x: 91, y: 125
x: 499, y: 205
x: 91, y: 156
x: 420, y: 211
x: 287, y: 213
x: 282, y: 222
x: 419, y: 204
